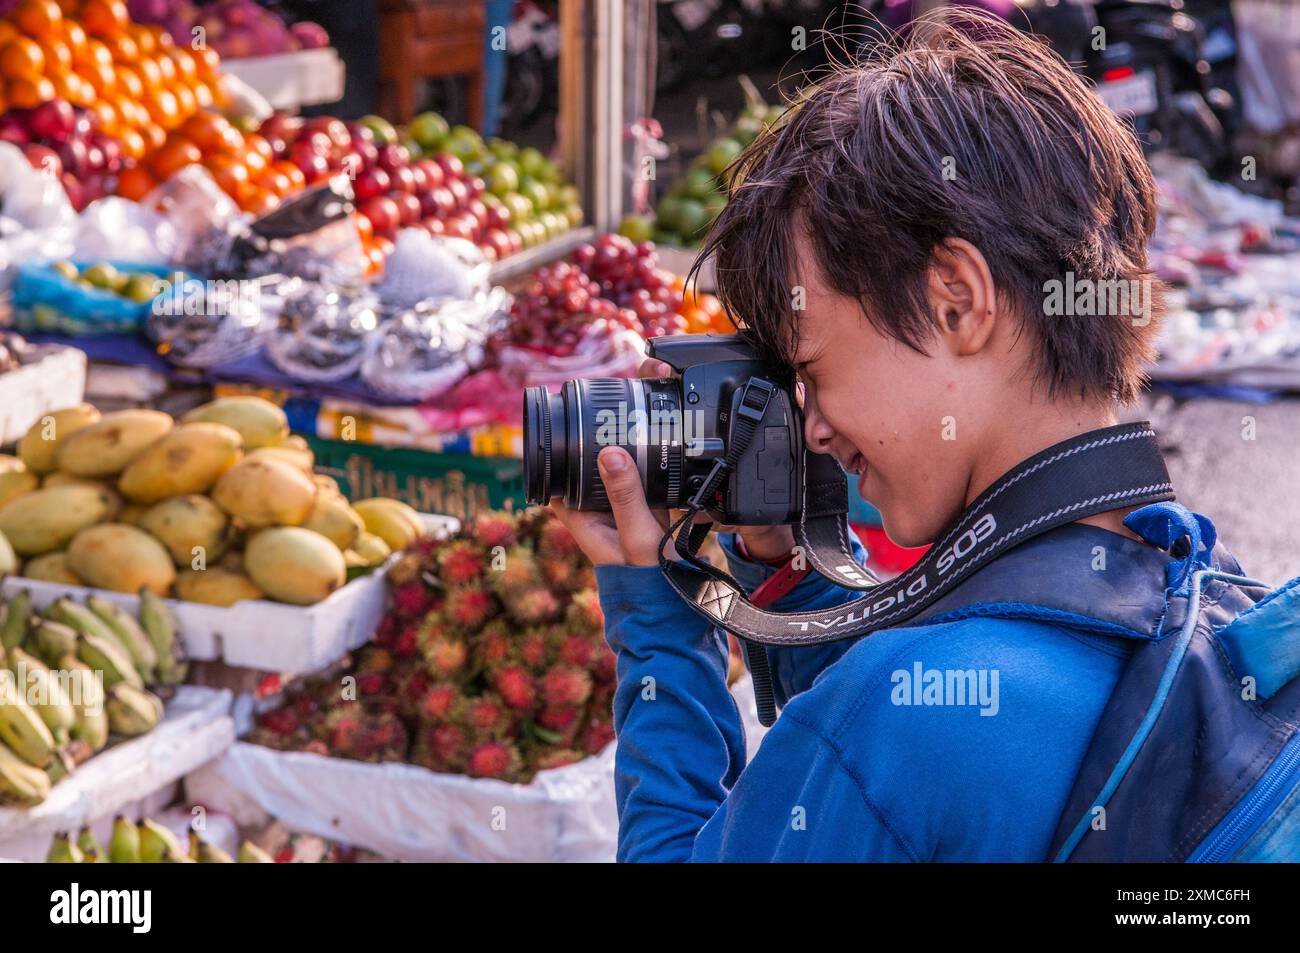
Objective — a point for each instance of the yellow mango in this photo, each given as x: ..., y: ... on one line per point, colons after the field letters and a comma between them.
x: 121, y: 558
x: 15, y: 483
x: 190, y: 459
x: 46, y: 519
x: 215, y: 586
x: 333, y: 518
x: 294, y: 565
x: 265, y: 492
x: 188, y: 523
x: 260, y: 422
x: 105, y: 447
x: 39, y: 447
x: 52, y: 567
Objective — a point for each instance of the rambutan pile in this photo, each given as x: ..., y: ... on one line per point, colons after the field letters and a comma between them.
x: 490, y: 661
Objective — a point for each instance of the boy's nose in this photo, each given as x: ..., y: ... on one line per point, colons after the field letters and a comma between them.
x: 817, y: 433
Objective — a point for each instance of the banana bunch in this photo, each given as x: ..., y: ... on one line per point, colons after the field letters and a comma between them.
x: 72, y: 676
x: 146, y: 843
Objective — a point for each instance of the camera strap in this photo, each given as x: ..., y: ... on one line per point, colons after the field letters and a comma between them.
x: 1101, y: 470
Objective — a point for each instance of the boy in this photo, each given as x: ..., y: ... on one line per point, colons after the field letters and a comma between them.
x: 893, y: 241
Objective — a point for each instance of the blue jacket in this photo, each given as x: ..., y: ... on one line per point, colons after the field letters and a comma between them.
x: 957, y: 739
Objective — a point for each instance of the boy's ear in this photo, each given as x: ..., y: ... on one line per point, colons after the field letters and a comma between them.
x: 962, y: 296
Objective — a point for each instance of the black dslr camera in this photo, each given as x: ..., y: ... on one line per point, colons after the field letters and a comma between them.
x: 723, y: 431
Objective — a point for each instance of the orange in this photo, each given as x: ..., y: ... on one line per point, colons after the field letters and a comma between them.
x: 97, y: 52
x: 104, y: 17
x: 102, y: 77
x: 172, y: 157
x: 276, y: 181
x: 58, y: 56
x: 22, y: 58
x: 75, y: 90
x: 230, y: 174
x: 166, y: 68
x: 184, y: 63
x: 163, y: 109
x: 134, y: 183
x: 162, y: 39
x: 297, y: 181
x: 144, y: 38
x: 257, y: 143
x: 7, y: 32
x: 124, y: 50
x: 257, y: 201
x: 206, y: 130
x: 154, y: 136
x: 149, y: 73
x: 255, y: 161
x: 106, y: 117
x: 207, y: 61
x: 24, y: 93
x: 75, y: 37
x: 129, y: 81
x: 202, y: 95
x: 38, y: 18
x: 364, y: 228
x: 185, y: 103
x: 132, y: 143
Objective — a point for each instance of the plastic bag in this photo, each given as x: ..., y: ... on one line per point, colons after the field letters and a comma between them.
x: 118, y: 229
x: 604, y: 350
x: 423, y: 268
x: 36, y: 218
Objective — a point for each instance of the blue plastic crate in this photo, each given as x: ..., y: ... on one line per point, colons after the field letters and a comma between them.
x: 45, y: 300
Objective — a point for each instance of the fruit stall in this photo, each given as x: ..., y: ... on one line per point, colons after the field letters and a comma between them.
x: 267, y: 587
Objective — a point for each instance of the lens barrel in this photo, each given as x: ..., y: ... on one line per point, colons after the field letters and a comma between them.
x: 564, y: 432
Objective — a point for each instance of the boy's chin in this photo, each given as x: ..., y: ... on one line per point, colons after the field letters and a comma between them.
x: 908, y: 530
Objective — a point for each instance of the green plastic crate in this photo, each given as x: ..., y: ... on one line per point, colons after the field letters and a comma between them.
x: 455, y: 484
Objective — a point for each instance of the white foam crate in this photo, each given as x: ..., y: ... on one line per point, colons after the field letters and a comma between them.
x: 290, y: 80
x: 195, y: 729
x: 258, y: 633
x: 30, y: 392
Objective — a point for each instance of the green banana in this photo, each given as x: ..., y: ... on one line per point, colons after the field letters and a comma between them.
x: 52, y: 639
x: 129, y: 632
x: 44, y: 692
x: 63, y: 851
x: 60, y: 766
x: 90, y: 847
x: 250, y: 853
x: 87, y: 697
x: 21, y: 784
x: 160, y: 626
x: 104, y: 657
x: 157, y: 842
x: 132, y: 711
x: 79, y: 617
x: 205, y: 853
x: 21, y: 728
x: 124, y: 844
x: 15, y: 626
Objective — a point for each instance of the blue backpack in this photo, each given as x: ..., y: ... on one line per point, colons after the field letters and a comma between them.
x: 1196, y: 756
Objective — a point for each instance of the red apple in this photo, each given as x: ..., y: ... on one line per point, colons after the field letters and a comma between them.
x: 419, y: 179
x: 314, y: 166
x: 438, y: 202
x: 516, y: 241
x: 478, y: 211
x: 13, y: 129
x: 371, y: 182
x: 435, y: 227
x: 73, y: 188
x: 460, y: 226
x: 318, y: 141
x: 459, y: 191
x: 360, y: 133
x: 476, y: 186
x: 499, y: 241
x: 404, y: 179
x: 498, y: 216
x: 408, y: 208
x: 394, y: 156
x: 45, y: 159
x: 452, y: 167
x: 282, y: 125
x: 383, y: 214
x: 366, y: 151
x: 336, y: 129
x: 433, y: 174
x: 53, y: 120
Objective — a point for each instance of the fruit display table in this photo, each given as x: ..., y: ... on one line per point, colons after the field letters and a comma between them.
x: 29, y: 392
x: 196, y: 728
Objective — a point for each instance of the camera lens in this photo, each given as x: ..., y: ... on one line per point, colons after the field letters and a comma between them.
x: 564, y: 432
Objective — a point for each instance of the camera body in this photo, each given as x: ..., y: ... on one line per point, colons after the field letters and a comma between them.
x: 676, y: 430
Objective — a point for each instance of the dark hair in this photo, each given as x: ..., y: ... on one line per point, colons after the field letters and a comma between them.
x: 1047, y: 181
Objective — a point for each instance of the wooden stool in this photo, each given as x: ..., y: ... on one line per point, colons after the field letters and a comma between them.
x: 422, y: 39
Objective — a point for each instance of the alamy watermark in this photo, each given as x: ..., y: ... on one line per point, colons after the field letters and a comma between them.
x: 950, y: 687
x: 1102, y: 297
